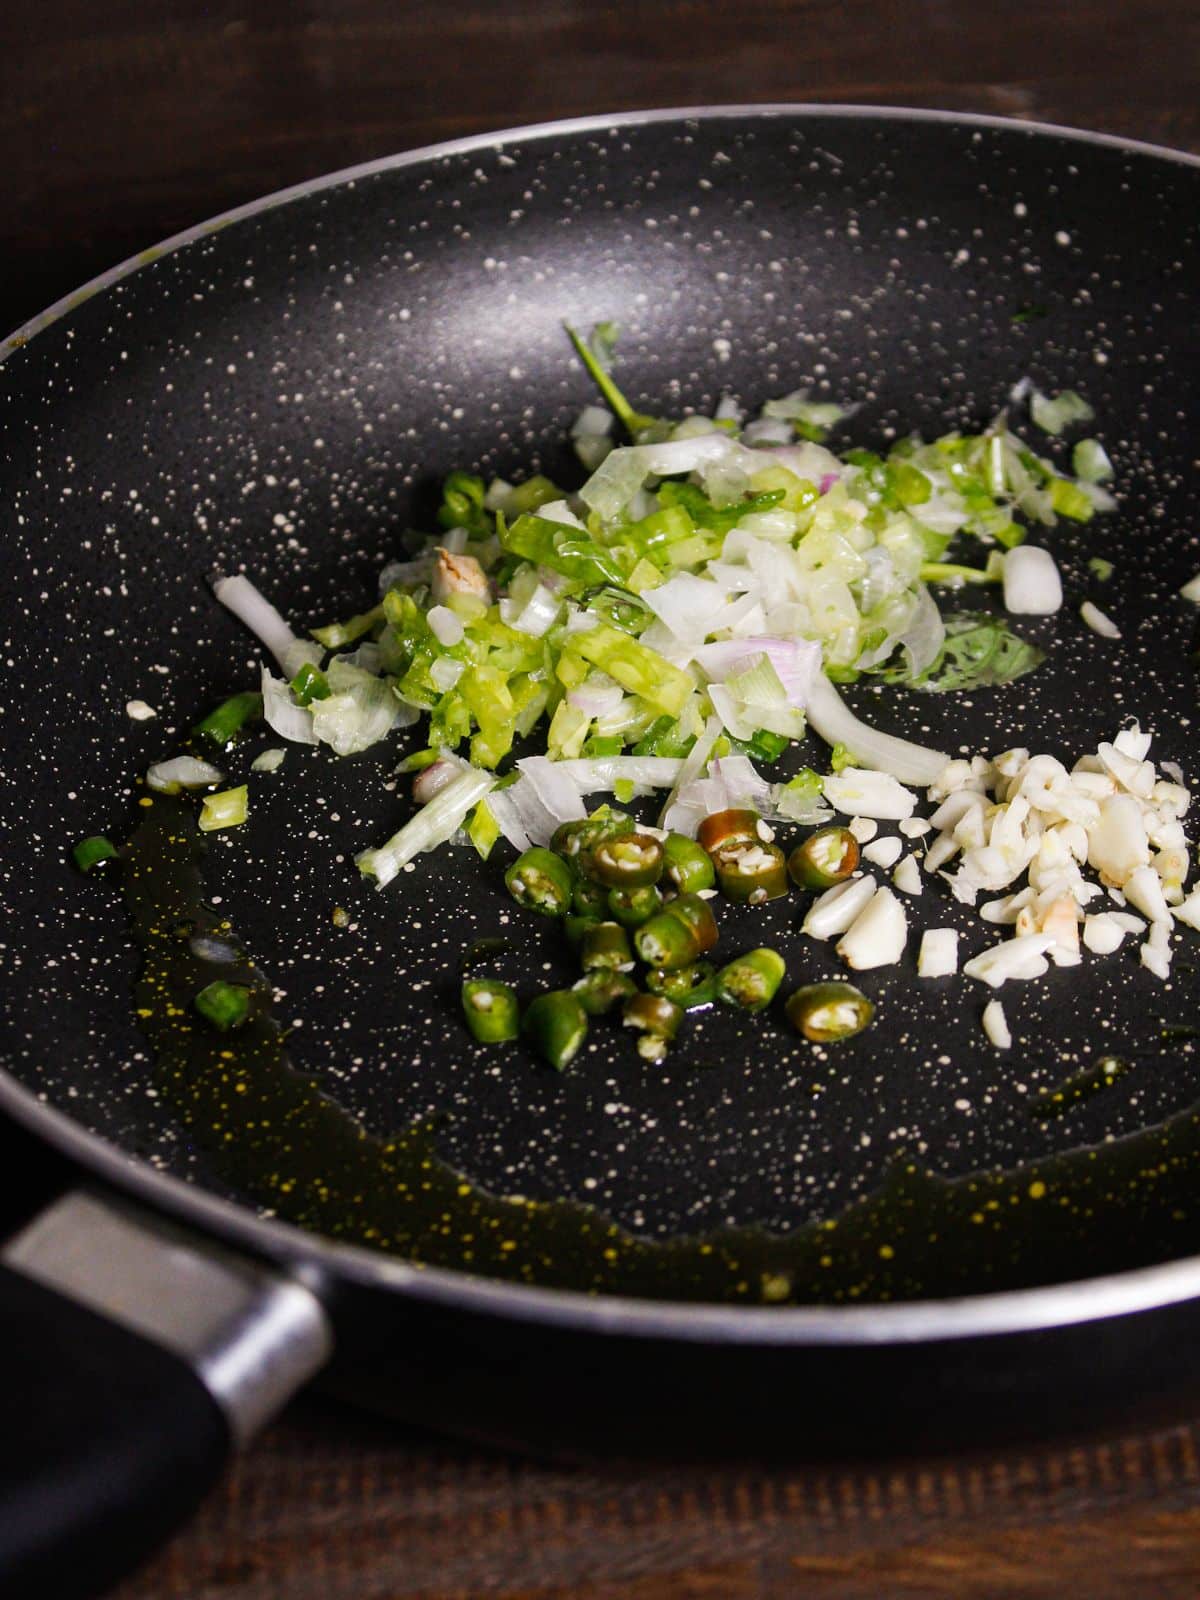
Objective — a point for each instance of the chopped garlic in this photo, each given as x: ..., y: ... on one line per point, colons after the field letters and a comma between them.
x: 1103, y: 933
x: 877, y: 936
x: 915, y: 827
x: 864, y: 829
x: 884, y: 853
x: 139, y: 711
x: 938, y: 955
x: 1143, y: 890
x: 1021, y: 958
x: 1098, y: 622
x: 995, y: 1025
x: 907, y: 876
x: 1189, y: 911
x: 1156, y: 953
x: 1118, y: 845
x: 1191, y: 589
x: 833, y: 912
x: 861, y: 793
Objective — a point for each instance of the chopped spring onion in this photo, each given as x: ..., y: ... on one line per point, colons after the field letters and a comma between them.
x: 433, y: 825
x: 228, y: 809
x: 224, y: 722
x: 225, y: 1005
x: 1052, y: 416
x: 182, y: 772
x: 1090, y: 461
x: 239, y: 595
x: 93, y: 852
x: 269, y: 761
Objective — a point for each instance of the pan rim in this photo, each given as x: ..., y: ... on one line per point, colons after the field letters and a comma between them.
x: 321, y: 1261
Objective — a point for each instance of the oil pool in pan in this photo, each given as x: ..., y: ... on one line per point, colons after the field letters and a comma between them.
x: 279, y: 1138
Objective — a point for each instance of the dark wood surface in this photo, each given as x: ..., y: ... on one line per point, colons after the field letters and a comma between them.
x: 120, y: 124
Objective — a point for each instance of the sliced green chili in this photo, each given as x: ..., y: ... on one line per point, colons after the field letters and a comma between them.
x: 657, y: 1020
x: 605, y: 945
x: 751, y: 981
x: 555, y: 1025
x: 691, y: 988
x: 826, y: 857
x: 589, y: 899
x: 627, y: 861
x: 682, y: 931
x: 687, y: 864
x: 632, y: 907
x: 727, y: 827
x: 540, y: 881
x: 752, y: 872
x: 829, y: 1012
x: 602, y: 988
x: 490, y: 1009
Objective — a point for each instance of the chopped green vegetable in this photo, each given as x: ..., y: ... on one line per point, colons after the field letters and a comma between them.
x: 603, y: 988
x: 606, y: 945
x: 93, y: 852
x: 228, y: 809
x: 826, y: 857
x: 310, y: 684
x: 1090, y: 462
x: 1054, y: 415
x: 632, y: 907
x: 829, y: 1012
x: 556, y: 1025
x: 1100, y: 568
x: 692, y: 988
x: 490, y: 1009
x: 225, y: 721
x: 687, y: 864
x: 657, y: 1020
x: 682, y: 931
x: 540, y: 881
x: 224, y: 1005
x: 751, y: 981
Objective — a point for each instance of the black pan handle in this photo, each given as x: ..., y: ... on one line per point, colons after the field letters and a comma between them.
x: 134, y: 1358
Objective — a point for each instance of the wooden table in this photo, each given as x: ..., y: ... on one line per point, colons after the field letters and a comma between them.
x: 123, y: 123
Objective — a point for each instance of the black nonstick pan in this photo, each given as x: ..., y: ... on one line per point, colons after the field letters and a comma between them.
x: 755, y: 1245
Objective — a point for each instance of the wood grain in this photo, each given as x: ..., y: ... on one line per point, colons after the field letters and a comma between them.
x: 122, y: 123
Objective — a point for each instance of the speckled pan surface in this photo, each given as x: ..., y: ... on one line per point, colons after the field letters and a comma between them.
x: 280, y: 394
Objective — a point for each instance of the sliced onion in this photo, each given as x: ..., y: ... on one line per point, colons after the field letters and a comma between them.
x: 833, y: 720
x: 281, y: 712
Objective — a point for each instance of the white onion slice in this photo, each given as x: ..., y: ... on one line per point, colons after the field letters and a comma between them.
x: 833, y: 720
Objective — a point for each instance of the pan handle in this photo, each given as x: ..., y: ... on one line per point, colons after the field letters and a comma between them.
x: 134, y: 1359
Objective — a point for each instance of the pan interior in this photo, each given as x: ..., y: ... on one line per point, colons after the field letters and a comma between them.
x: 282, y: 395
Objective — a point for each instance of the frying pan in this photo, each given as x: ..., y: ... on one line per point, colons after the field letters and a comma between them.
x: 754, y: 1246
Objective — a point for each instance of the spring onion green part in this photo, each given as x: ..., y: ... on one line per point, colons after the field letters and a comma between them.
x: 224, y: 1005
x: 93, y: 852
x: 224, y: 722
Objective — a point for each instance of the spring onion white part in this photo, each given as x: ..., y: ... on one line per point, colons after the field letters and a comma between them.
x: 433, y: 825
x: 182, y: 772
x: 1054, y: 415
x: 239, y: 595
x: 228, y: 809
